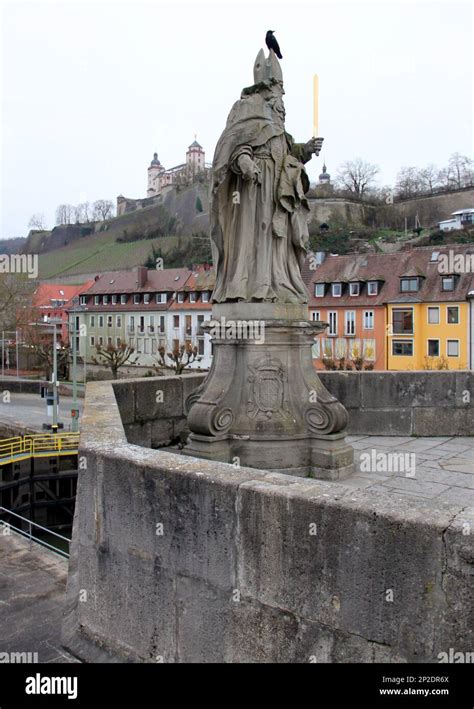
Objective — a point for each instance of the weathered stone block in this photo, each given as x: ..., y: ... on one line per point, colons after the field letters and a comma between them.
x: 448, y: 421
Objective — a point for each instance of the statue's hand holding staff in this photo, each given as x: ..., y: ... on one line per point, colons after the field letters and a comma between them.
x: 314, y: 146
x: 249, y: 169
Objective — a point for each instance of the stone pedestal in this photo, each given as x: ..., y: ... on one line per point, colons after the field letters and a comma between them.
x: 262, y: 404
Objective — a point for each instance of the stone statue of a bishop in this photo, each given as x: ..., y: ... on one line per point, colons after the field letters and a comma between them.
x: 259, y: 211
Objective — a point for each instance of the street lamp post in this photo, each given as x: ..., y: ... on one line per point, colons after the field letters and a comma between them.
x: 54, y: 426
x: 75, y: 408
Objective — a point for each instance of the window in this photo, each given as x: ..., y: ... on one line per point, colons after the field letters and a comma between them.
x: 101, y: 341
x: 372, y: 288
x: 201, y: 346
x: 146, y: 345
x: 336, y: 290
x: 92, y: 341
x: 402, y: 348
x: 131, y: 341
x: 92, y: 321
x: 96, y: 300
x: 354, y: 288
x: 447, y: 283
x: 175, y: 321
x: 101, y: 321
x: 433, y: 348
x: 368, y: 319
x: 141, y: 326
x: 109, y: 320
x: 433, y: 315
x: 187, y: 325
x: 319, y: 290
x: 409, y: 285
x: 154, y: 346
x: 205, y: 296
x: 316, y: 315
x: 105, y: 299
x: 192, y: 297
x: 453, y: 314
x: 162, y: 324
x: 146, y: 298
x: 434, y: 256
x: 139, y: 345
x: 123, y: 299
x: 402, y: 321
x: 332, y: 322
x: 151, y: 325
x: 118, y: 321
x: 180, y: 297
x: 83, y: 300
x: 160, y: 298
x: 131, y: 323
x: 349, y: 322
x: 114, y: 300
x: 109, y: 340
x: 452, y: 349
x: 118, y: 341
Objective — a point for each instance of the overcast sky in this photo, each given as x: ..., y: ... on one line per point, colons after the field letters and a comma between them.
x: 91, y: 90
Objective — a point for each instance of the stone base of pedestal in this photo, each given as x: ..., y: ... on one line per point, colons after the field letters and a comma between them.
x: 262, y: 404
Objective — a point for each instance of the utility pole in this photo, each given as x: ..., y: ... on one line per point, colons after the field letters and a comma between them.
x: 74, y: 409
x: 54, y: 426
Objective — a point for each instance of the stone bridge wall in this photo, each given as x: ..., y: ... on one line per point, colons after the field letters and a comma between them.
x: 176, y: 559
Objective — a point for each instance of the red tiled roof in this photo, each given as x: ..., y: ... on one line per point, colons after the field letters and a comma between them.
x: 390, y: 268
x: 117, y: 282
x: 46, y: 292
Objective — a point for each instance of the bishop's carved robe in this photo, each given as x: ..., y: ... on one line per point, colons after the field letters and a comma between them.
x: 259, y: 230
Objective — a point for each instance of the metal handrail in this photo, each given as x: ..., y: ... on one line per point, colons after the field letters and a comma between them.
x: 37, y: 443
x: 29, y: 535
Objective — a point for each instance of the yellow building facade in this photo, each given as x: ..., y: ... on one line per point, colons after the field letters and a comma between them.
x: 427, y: 335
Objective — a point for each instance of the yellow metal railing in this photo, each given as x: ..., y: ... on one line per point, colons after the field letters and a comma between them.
x: 40, y: 444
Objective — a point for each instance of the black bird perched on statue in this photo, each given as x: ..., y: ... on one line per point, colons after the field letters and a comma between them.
x: 272, y: 43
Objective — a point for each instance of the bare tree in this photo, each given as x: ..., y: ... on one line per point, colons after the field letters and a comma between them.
x: 180, y: 358
x: 408, y: 183
x: 429, y: 178
x: 461, y: 168
x: 65, y: 214
x: 103, y: 209
x: 82, y: 213
x: 16, y: 294
x: 114, y: 357
x: 357, y: 176
x: 38, y: 222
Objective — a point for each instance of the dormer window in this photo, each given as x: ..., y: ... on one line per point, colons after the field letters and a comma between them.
x: 146, y: 298
x: 180, y: 297
x: 160, y: 298
x: 354, y: 288
x: 409, y: 285
x: 114, y: 300
x: 96, y: 300
x: 205, y: 296
x: 319, y: 290
x: 123, y: 299
x: 83, y: 300
x: 448, y: 283
x: 336, y: 290
x: 105, y: 299
x: 192, y: 297
x: 372, y: 288
x: 136, y: 298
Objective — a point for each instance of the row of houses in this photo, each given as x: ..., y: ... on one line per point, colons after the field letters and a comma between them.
x: 407, y: 310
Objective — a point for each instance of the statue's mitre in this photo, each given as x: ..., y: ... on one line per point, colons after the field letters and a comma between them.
x: 267, y: 67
